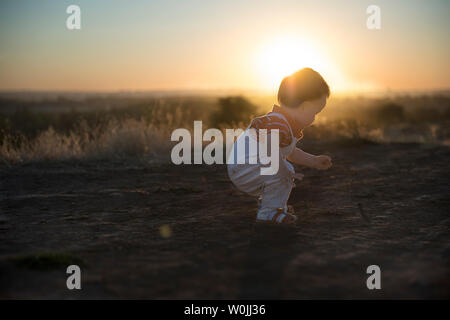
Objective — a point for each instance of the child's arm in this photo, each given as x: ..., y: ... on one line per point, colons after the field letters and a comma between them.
x: 300, y: 157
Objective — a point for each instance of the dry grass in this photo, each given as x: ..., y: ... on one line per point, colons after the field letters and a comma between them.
x: 114, y: 140
x: 143, y: 130
x: 353, y: 131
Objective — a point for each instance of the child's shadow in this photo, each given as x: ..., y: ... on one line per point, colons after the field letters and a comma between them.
x: 269, y: 252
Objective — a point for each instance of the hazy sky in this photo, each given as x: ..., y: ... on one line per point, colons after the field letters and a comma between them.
x: 152, y: 44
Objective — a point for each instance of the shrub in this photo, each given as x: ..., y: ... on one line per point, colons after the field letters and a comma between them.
x: 389, y: 113
x: 233, y: 110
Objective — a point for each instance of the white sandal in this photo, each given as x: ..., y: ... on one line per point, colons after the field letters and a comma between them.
x: 281, y: 217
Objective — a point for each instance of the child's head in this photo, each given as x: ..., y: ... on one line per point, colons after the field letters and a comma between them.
x: 305, y: 93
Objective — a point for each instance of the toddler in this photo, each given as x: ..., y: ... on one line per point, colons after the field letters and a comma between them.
x: 301, y: 96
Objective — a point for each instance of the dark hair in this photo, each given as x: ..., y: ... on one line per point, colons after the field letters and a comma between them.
x: 303, y: 85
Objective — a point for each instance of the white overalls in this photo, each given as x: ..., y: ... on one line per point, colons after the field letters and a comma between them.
x: 272, y: 190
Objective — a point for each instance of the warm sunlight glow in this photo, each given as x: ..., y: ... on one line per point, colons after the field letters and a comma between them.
x: 286, y: 55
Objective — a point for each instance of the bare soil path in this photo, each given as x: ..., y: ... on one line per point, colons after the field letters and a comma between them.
x: 164, y: 231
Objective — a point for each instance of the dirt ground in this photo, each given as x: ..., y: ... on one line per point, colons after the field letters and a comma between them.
x: 164, y: 231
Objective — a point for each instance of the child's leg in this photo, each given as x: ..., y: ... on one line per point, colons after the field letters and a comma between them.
x: 274, y: 196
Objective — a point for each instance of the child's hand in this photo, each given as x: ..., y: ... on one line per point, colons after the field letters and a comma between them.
x: 299, y: 176
x: 322, y: 162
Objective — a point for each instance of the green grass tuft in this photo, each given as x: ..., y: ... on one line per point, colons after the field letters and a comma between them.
x: 47, y: 261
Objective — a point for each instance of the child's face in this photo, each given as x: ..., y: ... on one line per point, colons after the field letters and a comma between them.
x: 306, y: 113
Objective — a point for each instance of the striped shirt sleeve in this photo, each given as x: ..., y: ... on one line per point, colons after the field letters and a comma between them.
x: 270, y: 122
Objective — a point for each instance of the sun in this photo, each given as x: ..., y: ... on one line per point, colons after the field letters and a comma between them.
x: 285, y: 55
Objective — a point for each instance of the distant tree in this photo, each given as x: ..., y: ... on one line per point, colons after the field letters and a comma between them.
x: 390, y: 113
x: 233, y: 110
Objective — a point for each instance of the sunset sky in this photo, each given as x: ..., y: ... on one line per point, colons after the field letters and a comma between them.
x: 154, y: 45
